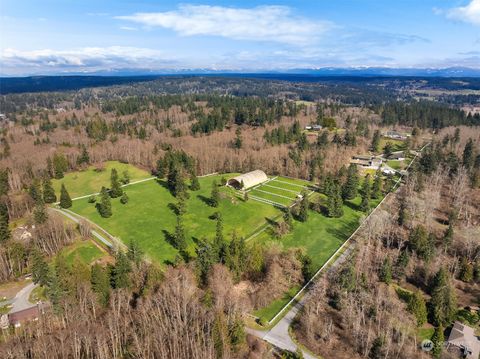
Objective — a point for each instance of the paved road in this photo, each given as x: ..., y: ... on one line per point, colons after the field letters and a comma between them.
x: 279, y: 334
x: 21, y: 302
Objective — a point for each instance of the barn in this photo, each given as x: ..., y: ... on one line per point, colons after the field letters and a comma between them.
x: 248, y: 180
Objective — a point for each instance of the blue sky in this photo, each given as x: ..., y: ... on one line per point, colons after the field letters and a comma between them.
x: 53, y: 37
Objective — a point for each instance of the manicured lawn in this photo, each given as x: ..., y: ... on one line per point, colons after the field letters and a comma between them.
x: 425, y: 333
x: 91, y: 181
x: 320, y: 235
x: 396, y: 165
x: 37, y: 294
x: 268, y: 312
x: 398, y: 145
x: 149, y: 216
x: 87, y: 251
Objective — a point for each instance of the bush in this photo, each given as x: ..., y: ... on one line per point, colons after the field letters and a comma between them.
x: 124, y: 198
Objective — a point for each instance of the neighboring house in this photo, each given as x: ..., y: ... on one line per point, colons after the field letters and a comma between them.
x: 26, y: 315
x: 398, y: 156
x: 313, y: 127
x: 463, y: 338
x: 367, y: 161
x: 248, y: 180
x: 395, y: 135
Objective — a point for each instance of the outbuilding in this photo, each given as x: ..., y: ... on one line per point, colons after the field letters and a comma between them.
x: 248, y: 180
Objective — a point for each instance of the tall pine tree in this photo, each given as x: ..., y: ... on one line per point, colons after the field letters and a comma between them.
x: 65, y: 200
x: 115, y: 186
x: 48, y: 192
x: 104, y: 207
x: 350, y: 188
x: 366, y: 193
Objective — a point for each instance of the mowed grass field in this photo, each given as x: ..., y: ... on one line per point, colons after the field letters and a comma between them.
x: 149, y: 216
x: 91, y: 181
x: 85, y: 250
x: 320, y: 236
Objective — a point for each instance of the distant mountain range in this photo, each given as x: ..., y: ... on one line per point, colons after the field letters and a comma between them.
x: 75, y: 81
x: 323, y: 71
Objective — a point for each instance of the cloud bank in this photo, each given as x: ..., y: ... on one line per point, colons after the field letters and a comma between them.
x: 469, y: 13
x: 261, y: 23
x: 86, y: 59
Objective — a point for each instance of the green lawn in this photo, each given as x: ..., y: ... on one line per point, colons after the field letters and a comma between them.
x: 150, y: 219
x: 425, y: 333
x: 267, y: 313
x: 87, y: 251
x: 320, y: 235
x: 91, y: 181
x: 398, y: 145
x: 396, y: 165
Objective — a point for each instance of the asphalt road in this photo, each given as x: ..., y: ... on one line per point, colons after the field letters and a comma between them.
x: 21, y: 302
x: 279, y: 335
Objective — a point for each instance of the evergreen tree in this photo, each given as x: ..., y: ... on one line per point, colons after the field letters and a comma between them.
x: 322, y: 139
x: 48, y: 192
x: 377, y: 185
x: 121, y: 271
x: 39, y: 268
x: 401, y: 264
x: 179, y: 236
x: 304, y: 206
x: 54, y: 291
x: 334, y: 201
x: 418, y: 307
x: 421, y: 242
x: 206, y: 258
x: 438, y: 340
x: 448, y: 236
x: 35, y: 191
x: 402, y: 213
x: 134, y: 252
x: 40, y: 214
x: 466, y: 270
x: 215, y: 195
x: 124, y: 198
x: 84, y: 157
x: 65, y: 200
x: 5, y: 233
x: 195, y: 184
x: 468, y: 155
x: 366, y: 194
x: 443, y: 301
x: 104, y: 207
x: 116, y: 188
x: 388, y: 150
x: 219, y: 244
x: 386, y: 271
x: 100, y: 284
x: 237, y: 143
x: 60, y: 165
x: 376, y: 141
x: 350, y: 188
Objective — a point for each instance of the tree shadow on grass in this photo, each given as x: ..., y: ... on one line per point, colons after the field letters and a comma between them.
x: 352, y: 205
x: 169, y: 238
x: 205, y: 200
x: 271, y: 222
x: 174, y: 208
x: 343, y: 232
x: 162, y: 183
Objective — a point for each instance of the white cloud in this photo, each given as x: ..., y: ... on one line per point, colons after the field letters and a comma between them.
x: 128, y: 28
x: 261, y: 23
x: 469, y: 13
x: 86, y: 59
